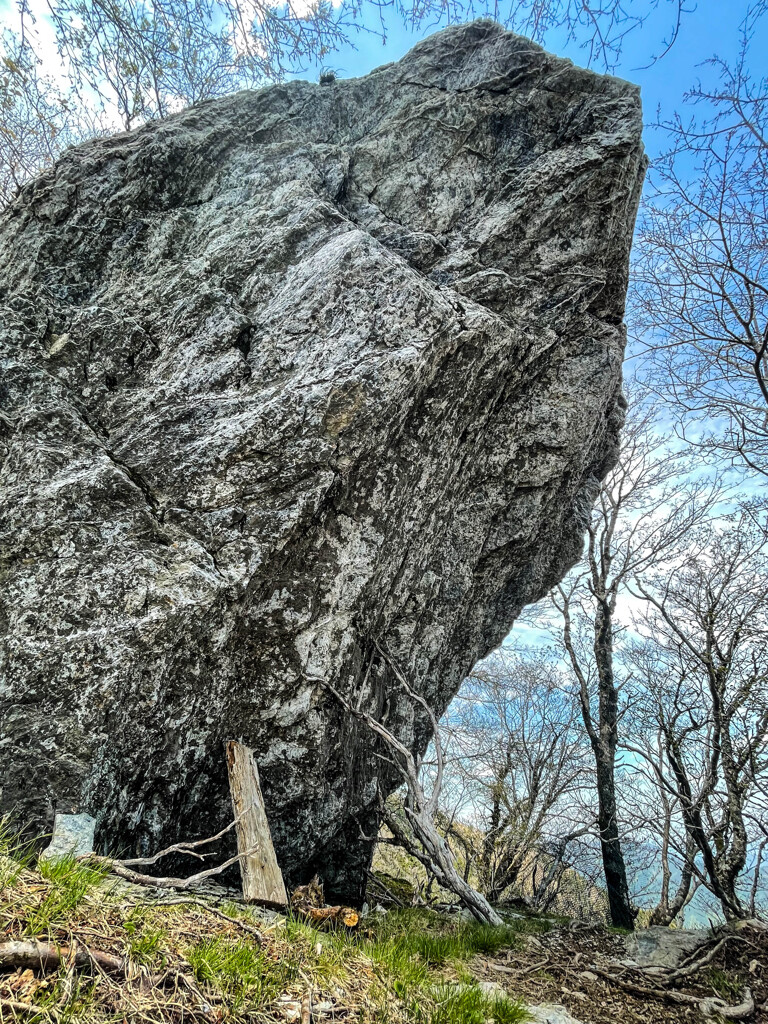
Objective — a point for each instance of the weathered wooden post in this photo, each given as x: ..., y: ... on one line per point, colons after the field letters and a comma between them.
x: 262, y: 878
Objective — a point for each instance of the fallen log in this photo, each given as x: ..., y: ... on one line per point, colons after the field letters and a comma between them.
x: 308, y: 901
x: 347, y: 916
x: 42, y: 955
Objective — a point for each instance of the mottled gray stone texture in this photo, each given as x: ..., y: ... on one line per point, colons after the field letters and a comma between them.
x: 72, y: 836
x: 285, y: 375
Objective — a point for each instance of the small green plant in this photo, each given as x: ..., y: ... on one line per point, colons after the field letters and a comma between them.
x: 76, y: 1002
x: 144, y: 947
x: 70, y: 881
x: 728, y: 986
x: 470, y: 1005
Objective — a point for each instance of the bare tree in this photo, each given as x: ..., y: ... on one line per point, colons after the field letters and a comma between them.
x: 417, y: 830
x: 37, y: 119
x: 707, y: 679
x: 141, y: 59
x: 699, y: 301
x: 652, y: 806
x: 147, y: 60
x: 642, y: 511
x: 524, y: 763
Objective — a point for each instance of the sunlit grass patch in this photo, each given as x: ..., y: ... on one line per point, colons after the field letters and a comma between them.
x: 436, y: 940
x: 412, y: 950
x: 470, y: 1005
x: 239, y: 971
x: 410, y: 966
x: 146, y: 937
x: 145, y: 947
x: 70, y: 880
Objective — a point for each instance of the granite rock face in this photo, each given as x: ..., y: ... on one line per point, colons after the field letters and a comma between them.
x: 286, y: 376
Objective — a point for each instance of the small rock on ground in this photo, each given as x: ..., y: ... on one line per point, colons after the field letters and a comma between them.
x: 551, y: 1013
x: 658, y: 946
x: 72, y: 836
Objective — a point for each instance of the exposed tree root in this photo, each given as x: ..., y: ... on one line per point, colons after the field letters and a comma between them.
x: 250, y: 929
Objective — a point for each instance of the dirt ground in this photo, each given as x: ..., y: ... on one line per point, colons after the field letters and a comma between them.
x: 567, y: 966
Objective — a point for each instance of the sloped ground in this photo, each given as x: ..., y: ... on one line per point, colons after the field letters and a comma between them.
x: 77, y: 945
x: 587, y: 969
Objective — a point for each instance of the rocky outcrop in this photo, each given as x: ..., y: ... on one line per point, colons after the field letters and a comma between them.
x: 285, y: 376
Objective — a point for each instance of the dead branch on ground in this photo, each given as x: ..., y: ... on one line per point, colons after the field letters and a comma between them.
x: 421, y: 810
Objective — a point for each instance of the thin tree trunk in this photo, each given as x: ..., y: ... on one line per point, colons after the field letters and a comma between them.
x: 610, y: 844
x: 604, y: 747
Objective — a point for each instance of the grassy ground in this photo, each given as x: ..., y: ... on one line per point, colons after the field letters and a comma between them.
x: 182, y: 961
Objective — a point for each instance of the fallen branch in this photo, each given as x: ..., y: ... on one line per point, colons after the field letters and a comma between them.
x: 719, y: 1006
x: 19, y: 1007
x: 706, y: 1005
x: 183, y: 848
x: 119, y: 868
x: 306, y: 1007
x: 694, y: 966
x: 36, y: 955
x: 238, y: 922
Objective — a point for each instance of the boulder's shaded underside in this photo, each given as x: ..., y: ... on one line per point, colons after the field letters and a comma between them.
x: 288, y: 376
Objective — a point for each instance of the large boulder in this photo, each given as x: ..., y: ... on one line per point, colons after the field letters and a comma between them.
x: 290, y: 378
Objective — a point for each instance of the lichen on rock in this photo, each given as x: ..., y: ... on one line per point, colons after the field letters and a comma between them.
x: 287, y: 375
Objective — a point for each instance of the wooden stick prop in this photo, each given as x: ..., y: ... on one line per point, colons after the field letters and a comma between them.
x: 262, y: 878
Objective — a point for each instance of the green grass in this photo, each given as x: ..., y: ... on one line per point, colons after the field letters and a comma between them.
x: 146, y: 938
x: 437, y: 939
x: 239, y: 971
x: 728, y: 986
x: 326, y: 951
x: 411, y: 948
x: 79, y: 1004
x: 472, y: 1006
x: 146, y: 947
x: 16, y: 853
x: 69, y: 881
x: 410, y: 965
